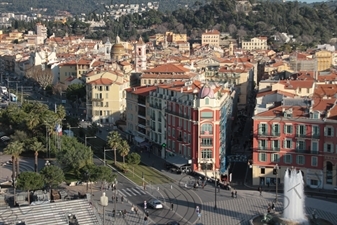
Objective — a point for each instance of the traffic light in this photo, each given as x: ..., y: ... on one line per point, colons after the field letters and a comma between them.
x: 163, y: 145
x: 275, y: 171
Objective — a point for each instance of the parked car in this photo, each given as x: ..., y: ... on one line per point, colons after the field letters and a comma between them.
x: 335, y: 189
x: 155, y: 203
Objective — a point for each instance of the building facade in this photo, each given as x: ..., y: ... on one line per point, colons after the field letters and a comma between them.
x: 257, y: 43
x: 140, y: 55
x: 301, y: 134
x: 211, y: 37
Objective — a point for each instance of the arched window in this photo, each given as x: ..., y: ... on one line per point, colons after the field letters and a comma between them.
x: 207, y: 129
x: 206, y: 101
x: 328, y: 177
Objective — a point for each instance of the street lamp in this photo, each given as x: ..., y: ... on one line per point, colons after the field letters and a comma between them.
x: 106, y: 150
x: 47, y: 163
x: 87, y: 174
x: 14, y: 186
x: 104, y: 203
x: 115, y: 206
x: 275, y: 172
x: 85, y: 139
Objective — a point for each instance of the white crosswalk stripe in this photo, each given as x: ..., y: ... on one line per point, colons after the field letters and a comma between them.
x: 129, y: 192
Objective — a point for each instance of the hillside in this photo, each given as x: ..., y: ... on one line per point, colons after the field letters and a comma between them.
x: 85, y: 6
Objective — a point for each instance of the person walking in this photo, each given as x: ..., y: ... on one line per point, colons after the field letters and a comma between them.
x: 269, y: 208
x: 136, y: 210
x: 273, y: 206
x: 112, y: 198
x: 132, y: 209
x: 122, y: 199
x: 124, y: 213
x: 116, y: 199
x: 172, y: 206
x: 232, y: 194
x: 197, y: 210
x: 260, y: 190
x: 236, y: 194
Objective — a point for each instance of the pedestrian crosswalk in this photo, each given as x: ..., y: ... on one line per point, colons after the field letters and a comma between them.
x: 129, y: 192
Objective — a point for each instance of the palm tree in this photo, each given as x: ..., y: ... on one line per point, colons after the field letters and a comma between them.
x: 14, y: 148
x: 124, y: 149
x: 37, y: 147
x: 114, y: 142
x: 33, y: 120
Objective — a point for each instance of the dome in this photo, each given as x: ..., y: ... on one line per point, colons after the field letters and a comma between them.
x: 206, y: 91
x: 117, y: 49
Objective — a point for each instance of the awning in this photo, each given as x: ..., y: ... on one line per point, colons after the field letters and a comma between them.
x: 177, y: 161
x: 139, y: 139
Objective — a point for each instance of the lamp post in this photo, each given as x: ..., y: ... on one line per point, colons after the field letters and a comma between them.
x: 47, y: 163
x: 275, y: 171
x: 106, y: 150
x: 14, y: 186
x: 104, y: 203
x: 115, y: 206
x: 87, y: 174
x: 85, y: 139
x: 215, y: 185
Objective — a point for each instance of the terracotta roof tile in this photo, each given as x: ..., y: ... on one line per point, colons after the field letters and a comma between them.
x: 325, y: 90
x: 101, y: 81
x: 168, y: 68
x: 141, y: 90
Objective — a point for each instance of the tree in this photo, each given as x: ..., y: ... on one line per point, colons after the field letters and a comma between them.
x: 52, y: 175
x: 76, y: 91
x: 114, y: 141
x: 43, y: 75
x: 104, y: 174
x: 73, y: 155
x: 29, y: 181
x: 14, y: 148
x: 37, y: 147
x: 124, y: 149
x: 133, y: 158
x: 19, y: 135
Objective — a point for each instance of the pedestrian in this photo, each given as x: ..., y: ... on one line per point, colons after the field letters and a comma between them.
x: 232, y: 194
x: 116, y: 198
x: 124, y: 213
x: 132, y: 209
x: 172, y: 206
x: 197, y: 209
x: 273, y: 206
x: 122, y: 199
x: 260, y: 190
x: 236, y: 194
x: 147, y: 214
x: 112, y: 198
x: 268, y: 184
x: 268, y: 209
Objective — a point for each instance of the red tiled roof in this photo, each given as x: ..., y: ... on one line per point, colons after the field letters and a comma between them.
x: 141, y: 90
x: 101, y: 81
x: 168, y: 68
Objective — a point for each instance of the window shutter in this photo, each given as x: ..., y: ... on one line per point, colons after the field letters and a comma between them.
x: 332, y: 148
x: 297, y: 157
x: 285, y: 144
x: 332, y: 131
x: 291, y: 129
x: 325, y: 131
x: 259, y: 128
x: 325, y: 147
x: 284, y: 128
x: 291, y: 144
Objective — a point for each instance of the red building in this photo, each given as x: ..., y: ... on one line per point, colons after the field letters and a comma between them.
x: 299, y: 133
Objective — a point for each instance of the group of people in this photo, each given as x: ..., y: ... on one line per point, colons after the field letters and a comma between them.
x: 234, y: 193
x: 271, y: 207
x: 115, y: 198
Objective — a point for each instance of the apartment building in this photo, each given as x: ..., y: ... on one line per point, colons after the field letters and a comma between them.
x: 106, y: 96
x: 210, y: 37
x: 323, y: 60
x: 296, y: 132
x: 256, y: 43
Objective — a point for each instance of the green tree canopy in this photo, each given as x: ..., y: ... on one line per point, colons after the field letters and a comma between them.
x: 73, y: 155
x: 52, y: 175
x: 76, y: 91
x: 133, y: 158
x: 29, y: 181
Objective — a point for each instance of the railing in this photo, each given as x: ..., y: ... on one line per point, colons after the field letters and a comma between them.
x: 268, y: 149
x: 269, y: 134
x: 206, y: 132
x: 303, y: 135
x: 306, y: 151
x: 180, y: 114
x: 97, y: 99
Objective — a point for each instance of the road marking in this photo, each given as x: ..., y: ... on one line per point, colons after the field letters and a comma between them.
x: 121, y: 193
x: 124, y: 191
x: 141, y: 190
x: 135, y: 190
x: 130, y: 191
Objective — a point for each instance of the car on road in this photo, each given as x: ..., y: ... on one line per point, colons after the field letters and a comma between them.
x: 173, y: 223
x: 335, y: 189
x: 155, y: 203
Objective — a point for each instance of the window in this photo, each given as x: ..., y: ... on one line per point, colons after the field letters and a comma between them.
x: 315, y: 115
x: 328, y: 147
x: 300, y: 145
x: 206, y: 114
x: 274, y: 157
x: 207, y: 141
x: 262, y: 144
x: 314, y: 161
x: 263, y: 128
x: 262, y: 157
x: 315, y: 131
x: 314, y: 182
x: 206, y: 153
x: 301, y: 130
x: 287, y: 158
x: 288, y: 129
x: 276, y: 144
x: 328, y: 132
x: 107, y: 88
x: 300, y: 160
x: 314, y: 147
x: 263, y: 171
x: 276, y: 129
x: 288, y: 143
x: 206, y: 129
x: 206, y: 101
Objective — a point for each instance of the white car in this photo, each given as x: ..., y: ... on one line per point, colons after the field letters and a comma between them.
x: 155, y: 203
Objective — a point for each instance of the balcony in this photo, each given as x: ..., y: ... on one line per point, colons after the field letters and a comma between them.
x: 306, y: 151
x: 179, y: 114
x: 206, y: 132
x: 304, y: 136
x: 268, y: 149
x: 269, y: 134
x: 97, y: 99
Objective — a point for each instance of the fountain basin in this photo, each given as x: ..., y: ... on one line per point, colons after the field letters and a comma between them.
x: 277, y: 220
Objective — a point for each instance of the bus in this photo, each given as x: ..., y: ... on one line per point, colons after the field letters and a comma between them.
x: 13, y: 97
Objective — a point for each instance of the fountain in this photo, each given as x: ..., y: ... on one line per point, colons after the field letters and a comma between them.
x: 294, y: 212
